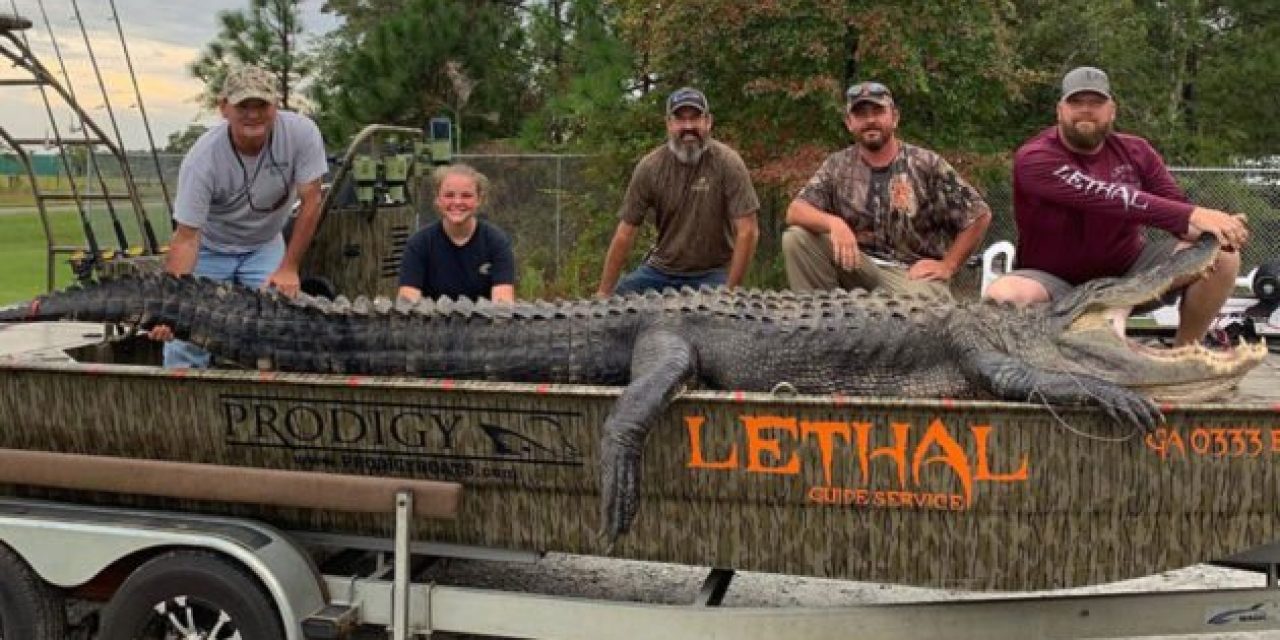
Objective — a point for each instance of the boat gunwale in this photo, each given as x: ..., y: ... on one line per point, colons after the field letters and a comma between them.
x: 716, y: 397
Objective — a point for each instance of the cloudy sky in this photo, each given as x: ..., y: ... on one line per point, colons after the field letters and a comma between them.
x: 164, y: 37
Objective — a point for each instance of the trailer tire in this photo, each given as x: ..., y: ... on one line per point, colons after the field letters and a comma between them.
x: 212, y: 594
x: 30, y: 608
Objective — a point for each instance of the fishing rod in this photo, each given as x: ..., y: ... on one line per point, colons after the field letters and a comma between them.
x: 30, y: 63
x: 146, y: 124
x: 91, y: 159
x: 152, y: 246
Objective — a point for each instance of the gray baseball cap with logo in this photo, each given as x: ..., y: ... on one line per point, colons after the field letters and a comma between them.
x: 1082, y: 79
x: 686, y: 97
x: 250, y: 82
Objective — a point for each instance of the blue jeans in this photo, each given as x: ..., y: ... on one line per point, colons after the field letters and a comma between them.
x: 249, y: 269
x: 648, y: 278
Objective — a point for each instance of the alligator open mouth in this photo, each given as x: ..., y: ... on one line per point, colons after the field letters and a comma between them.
x: 1094, y: 340
x: 1226, y: 357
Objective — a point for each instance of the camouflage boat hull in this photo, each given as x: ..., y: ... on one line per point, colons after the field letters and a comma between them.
x: 980, y: 495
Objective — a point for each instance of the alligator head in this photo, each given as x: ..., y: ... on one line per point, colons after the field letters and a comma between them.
x: 1082, y: 339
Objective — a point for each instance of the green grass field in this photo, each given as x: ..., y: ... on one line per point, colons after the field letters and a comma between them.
x: 22, y: 253
x: 23, y: 246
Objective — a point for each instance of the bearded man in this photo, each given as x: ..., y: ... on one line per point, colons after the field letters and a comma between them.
x: 882, y: 213
x: 699, y: 194
x: 1082, y: 195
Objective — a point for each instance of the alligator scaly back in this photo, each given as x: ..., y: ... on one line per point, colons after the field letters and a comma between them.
x: 585, y: 341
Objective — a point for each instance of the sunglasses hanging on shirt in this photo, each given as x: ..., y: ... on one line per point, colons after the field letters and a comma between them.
x: 257, y: 167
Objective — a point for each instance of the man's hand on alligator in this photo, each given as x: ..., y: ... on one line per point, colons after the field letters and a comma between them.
x: 1231, y: 230
x: 160, y: 333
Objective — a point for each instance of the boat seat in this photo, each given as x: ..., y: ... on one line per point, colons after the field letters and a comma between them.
x: 997, y: 260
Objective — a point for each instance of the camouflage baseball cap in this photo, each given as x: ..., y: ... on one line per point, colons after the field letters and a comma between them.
x: 249, y: 82
x: 873, y: 92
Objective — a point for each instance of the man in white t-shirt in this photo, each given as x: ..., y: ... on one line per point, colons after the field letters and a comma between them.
x: 236, y: 187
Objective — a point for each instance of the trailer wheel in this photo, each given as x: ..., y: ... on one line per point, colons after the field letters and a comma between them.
x: 190, y: 594
x: 30, y: 608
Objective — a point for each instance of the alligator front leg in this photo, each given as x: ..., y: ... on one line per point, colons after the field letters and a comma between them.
x: 1012, y: 379
x: 660, y: 362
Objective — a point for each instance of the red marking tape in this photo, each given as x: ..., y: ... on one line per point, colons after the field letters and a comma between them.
x: 838, y: 399
x: 949, y: 403
x: 447, y: 384
x: 739, y: 396
x: 544, y: 388
x: 355, y: 381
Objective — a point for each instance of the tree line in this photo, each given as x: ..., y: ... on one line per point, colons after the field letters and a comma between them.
x: 974, y: 78
x: 1198, y: 77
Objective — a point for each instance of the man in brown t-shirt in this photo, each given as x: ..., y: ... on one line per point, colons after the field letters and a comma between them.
x: 881, y: 214
x: 701, y: 199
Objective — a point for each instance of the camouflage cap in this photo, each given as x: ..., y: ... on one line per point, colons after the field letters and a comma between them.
x: 870, y: 91
x: 249, y: 82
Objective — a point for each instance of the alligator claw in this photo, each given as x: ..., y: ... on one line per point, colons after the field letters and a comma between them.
x: 1130, y: 407
x: 619, y: 487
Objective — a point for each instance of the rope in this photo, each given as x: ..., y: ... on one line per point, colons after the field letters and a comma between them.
x: 1061, y: 422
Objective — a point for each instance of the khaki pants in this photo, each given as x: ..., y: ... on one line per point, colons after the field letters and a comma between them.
x: 812, y: 267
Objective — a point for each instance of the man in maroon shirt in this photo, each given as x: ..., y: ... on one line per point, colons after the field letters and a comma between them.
x: 1082, y: 194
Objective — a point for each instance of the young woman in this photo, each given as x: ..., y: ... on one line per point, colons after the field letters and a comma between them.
x: 460, y: 255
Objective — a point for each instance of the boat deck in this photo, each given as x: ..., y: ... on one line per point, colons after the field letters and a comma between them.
x: 47, y: 341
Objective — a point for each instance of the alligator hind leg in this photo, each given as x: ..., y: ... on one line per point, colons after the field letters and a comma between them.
x: 660, y: 362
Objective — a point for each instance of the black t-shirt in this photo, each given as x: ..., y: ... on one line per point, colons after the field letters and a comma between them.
x: 878, y: 203
x: 433, y: 264
x: 878, y: 192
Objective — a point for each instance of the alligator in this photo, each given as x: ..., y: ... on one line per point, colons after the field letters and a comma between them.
x: 1060, y: 353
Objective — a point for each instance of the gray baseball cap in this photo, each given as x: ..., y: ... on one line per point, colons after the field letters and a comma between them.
x: 249, y: 82
x: 686, y: 97
x: 1085, y: 79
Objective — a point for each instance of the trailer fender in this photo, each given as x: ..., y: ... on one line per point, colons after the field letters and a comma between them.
x: 68, y: 545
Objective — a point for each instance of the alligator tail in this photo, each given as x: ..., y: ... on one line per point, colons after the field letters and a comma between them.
x: 460, y: 338
x: 77, y: 302
x: 145, y: 301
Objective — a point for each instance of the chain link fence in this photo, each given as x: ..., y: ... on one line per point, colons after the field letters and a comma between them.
x: 1255, y: 192
x: 94, y: 175
x: 561, y: 216
x: 49, y: 167
x: 560, y: 211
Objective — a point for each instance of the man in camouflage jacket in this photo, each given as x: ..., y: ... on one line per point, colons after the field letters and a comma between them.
x: 881, y: 214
